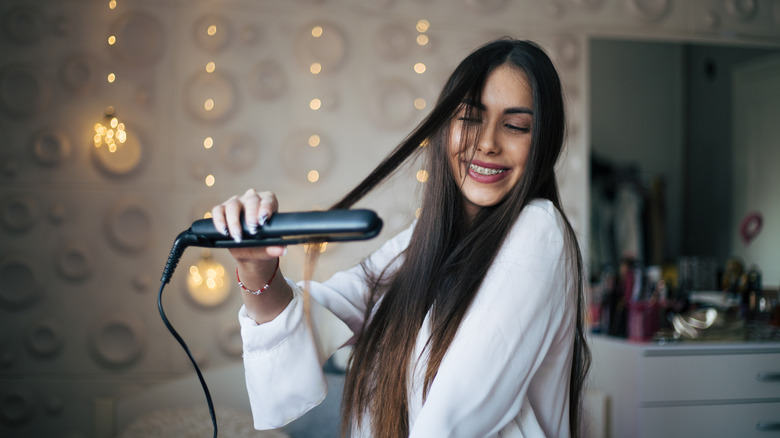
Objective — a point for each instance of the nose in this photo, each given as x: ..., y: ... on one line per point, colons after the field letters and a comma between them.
x: 488, y: 142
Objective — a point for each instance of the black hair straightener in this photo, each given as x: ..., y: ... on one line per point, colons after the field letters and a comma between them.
x: 281, y: 229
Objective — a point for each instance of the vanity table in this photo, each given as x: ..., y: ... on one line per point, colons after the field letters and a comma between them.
x: 688, y: 389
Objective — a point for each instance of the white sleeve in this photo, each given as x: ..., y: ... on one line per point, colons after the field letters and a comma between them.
x: 283, y: 358
x: 522, y: 312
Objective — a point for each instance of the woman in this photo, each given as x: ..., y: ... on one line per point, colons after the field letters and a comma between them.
x: 469, y: 323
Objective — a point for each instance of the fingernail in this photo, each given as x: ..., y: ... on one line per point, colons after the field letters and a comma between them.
x: 262, y: 219
x: 225, y: 231
x: 237, y: 238
x: 284, y: 253
x: 252, y: 229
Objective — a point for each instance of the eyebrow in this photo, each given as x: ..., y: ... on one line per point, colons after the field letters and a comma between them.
x: 512, y: 110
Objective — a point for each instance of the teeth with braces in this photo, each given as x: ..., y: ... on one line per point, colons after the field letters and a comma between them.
x: 485, y: 171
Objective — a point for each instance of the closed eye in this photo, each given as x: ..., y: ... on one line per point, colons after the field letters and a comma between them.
x: 517, y: 128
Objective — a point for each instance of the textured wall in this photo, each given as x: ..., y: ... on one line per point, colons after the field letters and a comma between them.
x: 84, y: 232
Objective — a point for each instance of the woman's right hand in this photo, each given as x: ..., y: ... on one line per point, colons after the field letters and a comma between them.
x: 256, y: 208
x: 257, y: 266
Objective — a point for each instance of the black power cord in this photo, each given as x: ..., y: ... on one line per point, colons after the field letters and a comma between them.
x: 181, y: 243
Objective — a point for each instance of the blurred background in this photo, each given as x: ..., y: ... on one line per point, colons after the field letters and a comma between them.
x: 122, y: 121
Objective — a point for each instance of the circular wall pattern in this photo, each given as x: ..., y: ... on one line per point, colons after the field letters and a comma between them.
x: 129, y: 225
x: 50, y: 147
x: 212, y: 32
x: 485, y: 5
x: 127, y: 158
x: 77, y: 73
x: 391, y: 103
x: 18, y: 213
x: 267, y: 80
x: 22, y: 24
x: 238, y: 152
x: 567, y: 51
x: 140, y: 38
x: 43, y: 340
x: 23, y: 91
x: 230, y: 340
x: 117, y: 340
x: 299, y: 157
x: 591, y: 5
x: 16, y: 407
x: 20, y: 284
x: 210, y: 96
x: 323, y: 43
x: 394, y: 41
x: 74, y: 261
x: 649, y: 10
x: 742, y: 9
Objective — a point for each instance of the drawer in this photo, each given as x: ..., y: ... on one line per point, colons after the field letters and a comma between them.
x: 714, y: 421
x: 709, y: 377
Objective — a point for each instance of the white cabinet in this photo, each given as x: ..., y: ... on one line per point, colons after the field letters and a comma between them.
x: 688, y: 389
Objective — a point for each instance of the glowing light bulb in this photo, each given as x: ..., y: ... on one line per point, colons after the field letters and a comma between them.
x: 206, y: 281
x: 207, y: 215
x: 316, y: 31
x: 210, y: 67
x: 422, y: 40
x: 422, y: 175
x: 111, y: 40
x: 315, y: 104
x: 420, y: 103
x: 112, y: 4
x: 419, y: 68
x: 212, y: 30
x: 423, y: 25
x: 111, y: 133
x: 208, y: 142
x: 111, y: 78
x: 210, y: 180
x: 315, y: 68
x: 208, y: 105
x: 313, y: 176
x: 314, y: 140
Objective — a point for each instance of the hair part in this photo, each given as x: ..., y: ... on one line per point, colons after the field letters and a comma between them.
x: 436, y: 275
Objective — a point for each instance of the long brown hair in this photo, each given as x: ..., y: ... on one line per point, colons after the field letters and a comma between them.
x: 438, y: 273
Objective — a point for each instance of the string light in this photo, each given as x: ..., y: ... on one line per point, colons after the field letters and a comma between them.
x: 420, y: 103
x: 112, y: 4
x: 111, y: 78
x: 206, y: 281
x: 315, y: 104
x: 315, y: 68
x: 313, y: 176
x: 423, y: 25
x: 314, y: 140
x: 419, y: 68
x: 111, y: 40
x: 208, y: 142
x: 210, y: 180
x: 316, y: 31
x: 422, y: 40
x: 422, y: 175
x: 111, y: 134
x: 212, y: 30
x: 210, y: 67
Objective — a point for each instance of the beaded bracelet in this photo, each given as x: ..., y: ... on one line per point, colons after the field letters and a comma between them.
x: 262, y: 289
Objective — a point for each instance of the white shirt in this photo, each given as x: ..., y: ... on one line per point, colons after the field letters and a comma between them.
x: 505, y: 374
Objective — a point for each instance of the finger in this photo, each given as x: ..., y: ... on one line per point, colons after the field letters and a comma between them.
x: 233, y: 209
x: 218, y: 218
x: 251, y: 201
x: 268, y: 206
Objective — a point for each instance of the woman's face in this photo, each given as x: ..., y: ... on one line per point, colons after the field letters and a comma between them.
x: 506, y: 120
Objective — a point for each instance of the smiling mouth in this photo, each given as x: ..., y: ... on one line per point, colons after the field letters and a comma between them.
x: 485, y: 171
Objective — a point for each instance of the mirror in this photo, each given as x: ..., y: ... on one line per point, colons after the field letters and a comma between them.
x: 662, y: 176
